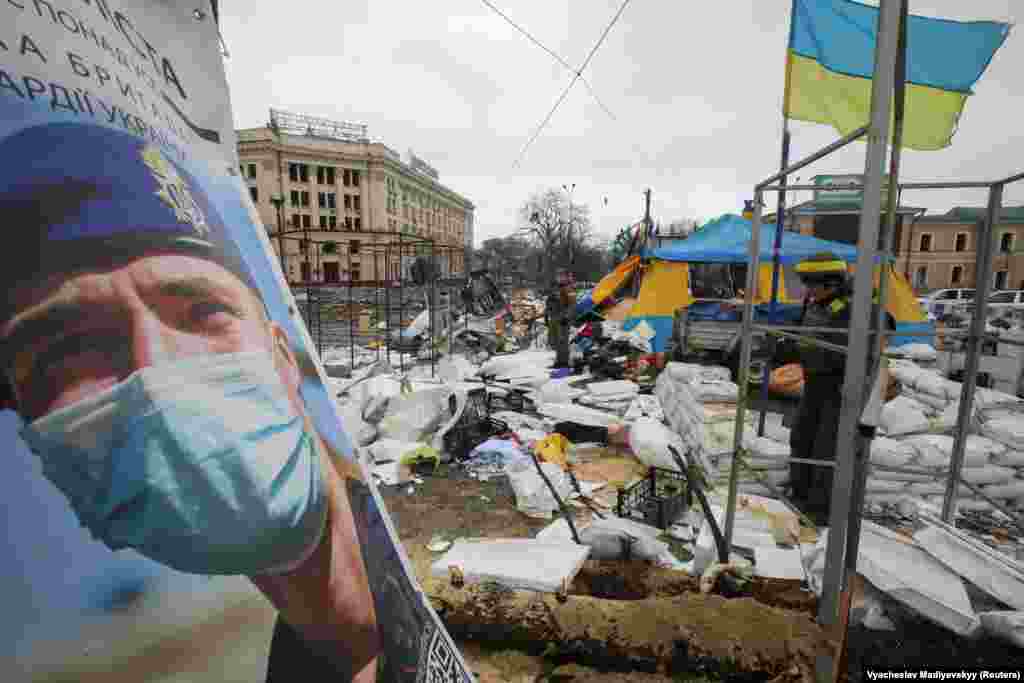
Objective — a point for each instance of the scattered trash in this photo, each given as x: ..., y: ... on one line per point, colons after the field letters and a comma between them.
x: 439, y: 544
x: 526, y: 564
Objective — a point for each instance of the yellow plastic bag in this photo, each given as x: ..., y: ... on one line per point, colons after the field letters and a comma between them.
x: 553, y: 448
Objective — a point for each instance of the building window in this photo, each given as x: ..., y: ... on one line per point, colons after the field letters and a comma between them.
x: 926, y: 242
x: 307, y: 220
x: 294, y: 196
x: 348, y: 202
x: 358, y: 223
x: 958, y: 273
x: 331, y: 203
x: 252, y: 171
x: 323, y: 222
x: 293, y: 172
x: 921, y: 277
x: 353, y: 247
x: 321, y: 198
x: 332, y: 273
x: 295, y: 220
x: 303, y: 173
x: 346, y: 177
x: 1001, y: 278
x: 330, y: 175
x: 348, y: 223
x: 332, y: 222
x: 1006, y: 243
x: 355, y: 203
x: 255, y: 194
x: 355, y: 178
x: 961, y: 241
x: 321, y: 175
x: 305, y: 198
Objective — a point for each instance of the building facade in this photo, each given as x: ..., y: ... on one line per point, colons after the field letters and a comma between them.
x: 325, y: 182
x: 933, y: 251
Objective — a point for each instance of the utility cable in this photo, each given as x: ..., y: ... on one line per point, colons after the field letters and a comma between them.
x: 575, y: 78
x: 553, y: 54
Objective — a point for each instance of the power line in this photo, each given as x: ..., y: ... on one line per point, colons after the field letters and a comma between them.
x: 576, y: 77
x: 552, y: 53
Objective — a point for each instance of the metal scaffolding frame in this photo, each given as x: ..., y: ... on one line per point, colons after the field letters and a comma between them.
x: 853, y: 445
x: 390, y: 257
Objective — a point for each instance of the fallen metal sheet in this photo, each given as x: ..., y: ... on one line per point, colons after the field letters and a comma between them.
x: 975, y: 566
x: 905, y: 572
x: 520, y: 563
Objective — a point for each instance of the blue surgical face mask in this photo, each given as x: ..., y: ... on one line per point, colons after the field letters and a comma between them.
x: 200, y: 464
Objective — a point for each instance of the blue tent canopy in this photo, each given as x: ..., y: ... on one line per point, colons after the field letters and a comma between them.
x: 726, y: 240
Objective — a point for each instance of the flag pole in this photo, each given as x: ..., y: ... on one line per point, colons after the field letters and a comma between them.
x: 779, y: 219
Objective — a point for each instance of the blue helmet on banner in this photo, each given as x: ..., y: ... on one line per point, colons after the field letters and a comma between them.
x: 77, y: 196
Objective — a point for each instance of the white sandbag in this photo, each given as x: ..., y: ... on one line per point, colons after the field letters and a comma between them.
x: 876, y: 485
x: 387, y: 450
x: 928, y: 489
x: 777, y: 433
x: 903, y: 415
x: 1011, y: 490
x: 1007, y: 431
x: 989, y: 474
x: 566, y: 412
x: 753, y: 463
x: 1009, y: 459
x: 533, y: 497
x: 649, y: 441
x: 767, y: 449
x: 990, y: 399
x: 933, y: 404
x: 415, y: 416
x: 614, y: 388
x: 879, y: 472
x: 974, y: 505
x: 777, y: 478
x: 890, y: 452
x: 713, y: 391
x: 946, y: 421
x: 685, y: 372
x: 937, y: 386
x: 935, y: 450
x: 557, y: 391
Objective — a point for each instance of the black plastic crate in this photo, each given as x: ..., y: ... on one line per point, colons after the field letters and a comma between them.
x: 659, y: 499
x: 514, y: 400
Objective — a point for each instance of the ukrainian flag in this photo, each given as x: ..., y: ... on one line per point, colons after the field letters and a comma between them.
x: 831, y: 61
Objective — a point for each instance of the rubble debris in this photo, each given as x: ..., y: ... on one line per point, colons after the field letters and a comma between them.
x: 516, y: 563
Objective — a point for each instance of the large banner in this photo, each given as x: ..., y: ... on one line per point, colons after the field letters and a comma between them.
x: 154, y: 361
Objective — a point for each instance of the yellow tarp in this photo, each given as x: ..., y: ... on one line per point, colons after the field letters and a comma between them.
x: 664, y: 289
x: 611, y: 282
x: 763, y: 294
x: 899, y: 297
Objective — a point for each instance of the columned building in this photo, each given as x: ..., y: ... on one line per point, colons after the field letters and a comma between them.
x: 326, y: 182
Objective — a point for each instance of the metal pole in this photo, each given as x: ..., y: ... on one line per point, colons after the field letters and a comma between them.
x: 860, y: 321
x: 351, y: 317
x: 387, y: 301
x: 401, y: 301
x: 808, y: 160
x: 776, y: 252
x: 983, y: 267
x: 744, y: 369
x: 433, y: 308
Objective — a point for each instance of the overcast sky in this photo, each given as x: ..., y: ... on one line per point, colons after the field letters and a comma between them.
x: 695, y: 89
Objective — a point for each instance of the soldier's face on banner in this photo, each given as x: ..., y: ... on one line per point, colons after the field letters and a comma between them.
x: 73, y: 336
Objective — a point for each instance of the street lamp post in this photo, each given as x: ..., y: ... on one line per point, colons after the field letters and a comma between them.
x: 278, y: 202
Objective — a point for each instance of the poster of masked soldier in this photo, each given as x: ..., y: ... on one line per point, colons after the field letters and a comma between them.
x: 153, y: 356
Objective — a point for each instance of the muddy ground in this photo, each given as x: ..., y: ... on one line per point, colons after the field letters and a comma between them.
x: 453, y: 505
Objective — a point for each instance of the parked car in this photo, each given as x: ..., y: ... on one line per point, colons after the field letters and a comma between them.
x: 942, y: 301
x: 1001, y: 301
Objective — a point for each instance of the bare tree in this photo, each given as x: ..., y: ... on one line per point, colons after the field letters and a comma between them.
x: 557, y: 227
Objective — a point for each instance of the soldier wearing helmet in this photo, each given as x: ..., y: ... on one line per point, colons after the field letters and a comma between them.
x: 827, y: 303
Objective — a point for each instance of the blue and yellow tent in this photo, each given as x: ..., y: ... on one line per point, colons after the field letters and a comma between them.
x: 665, y: 284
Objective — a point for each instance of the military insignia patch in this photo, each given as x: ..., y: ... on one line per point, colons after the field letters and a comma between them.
x: 174, y: 192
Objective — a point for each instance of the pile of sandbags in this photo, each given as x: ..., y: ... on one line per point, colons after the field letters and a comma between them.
x: 614, y: 396
x: 699, y: 406
x: 921, y: 425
